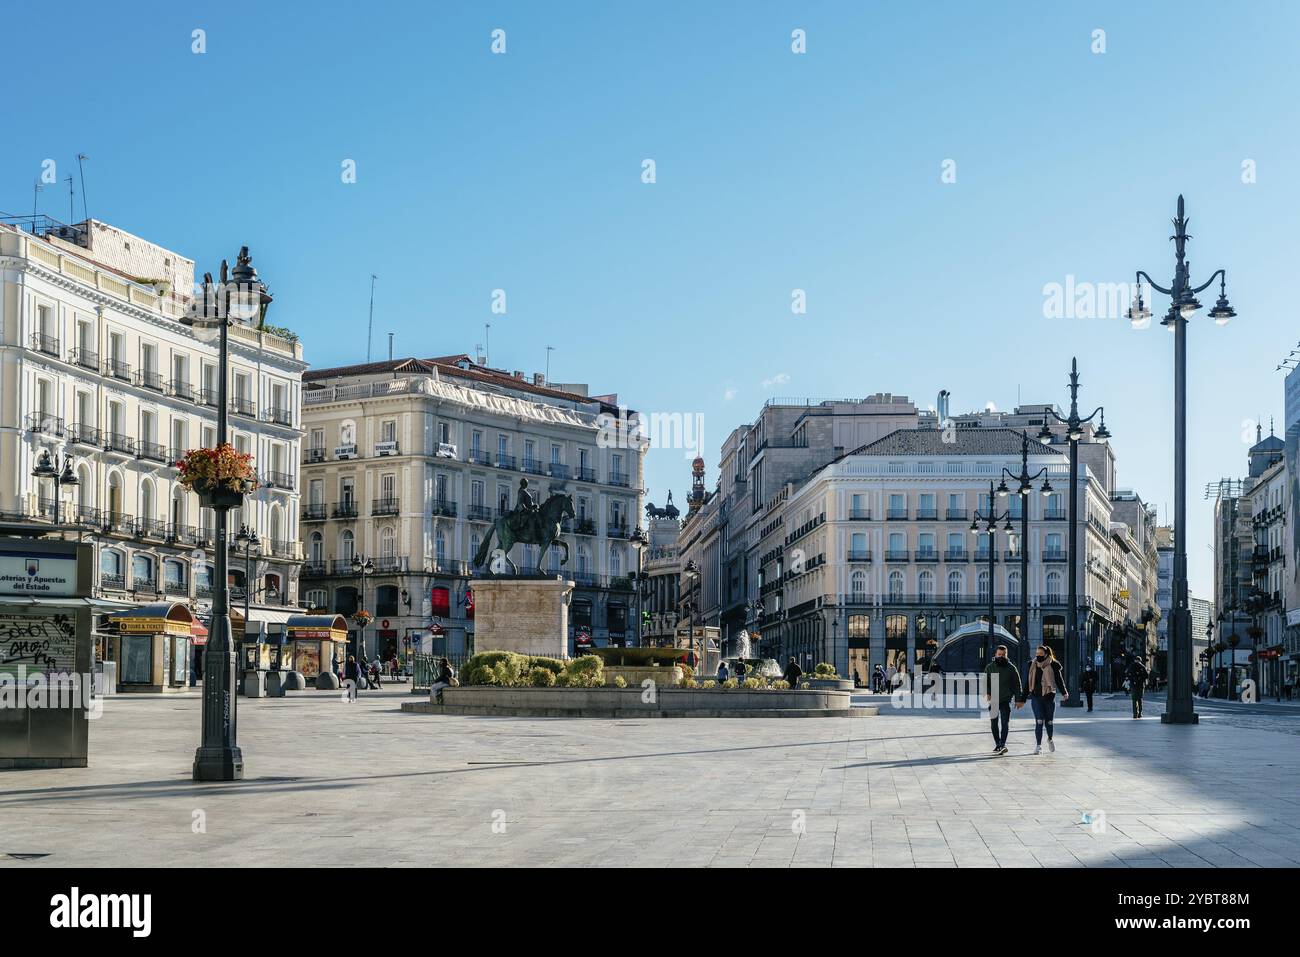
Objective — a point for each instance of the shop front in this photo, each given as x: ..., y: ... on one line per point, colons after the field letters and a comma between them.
x: 153, y: 646
x: 315, y: 643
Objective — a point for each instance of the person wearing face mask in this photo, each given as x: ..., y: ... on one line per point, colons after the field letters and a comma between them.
x: 1046, y: 680
x: 1004, y: 680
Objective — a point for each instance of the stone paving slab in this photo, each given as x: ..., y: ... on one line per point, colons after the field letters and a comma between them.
x: 331, y: 783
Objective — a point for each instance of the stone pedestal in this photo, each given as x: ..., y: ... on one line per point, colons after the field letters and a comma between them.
x: 525, y: 615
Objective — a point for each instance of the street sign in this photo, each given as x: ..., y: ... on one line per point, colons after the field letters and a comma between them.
x: 1098, y: 658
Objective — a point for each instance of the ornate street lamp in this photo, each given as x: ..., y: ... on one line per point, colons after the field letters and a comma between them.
x: 240, y: 297
x: 48, y: 467
x: 1183, y: 305
x: 990, y: 520
x: 1024, y: 485
x: 1074, y: 431
x: 692, y: 573
x: 363, y: 568
x: 638, y: 541
x: 247, y: 540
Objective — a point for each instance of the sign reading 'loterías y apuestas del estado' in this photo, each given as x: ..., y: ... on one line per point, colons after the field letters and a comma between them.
x: 37, y: 575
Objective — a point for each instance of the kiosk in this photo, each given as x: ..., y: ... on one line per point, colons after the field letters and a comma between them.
x: 315, y: 643
x: 153, y: 647
x: 46, y: 675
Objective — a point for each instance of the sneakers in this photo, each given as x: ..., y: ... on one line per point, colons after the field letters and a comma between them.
x: 1051, y: 745
x: 1002, y: 749
x: 1038, y: 749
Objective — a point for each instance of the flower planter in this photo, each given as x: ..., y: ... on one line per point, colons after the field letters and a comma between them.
x: 219, y: 496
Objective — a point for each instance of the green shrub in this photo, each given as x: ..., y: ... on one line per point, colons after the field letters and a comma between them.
x: 687, y: 671
x: 587, y: 664
x: 804, y: 685
x: 825, y: 670
x: 752, y: 684
x: 620, y: 681
x: 553, y: 665
x: 780, y: 685
x: 494, y: 668
x: 562, y: 680
x: 730, y: 683
x: 709, y: 684
x: 540, y: 677
x: 688, y: 683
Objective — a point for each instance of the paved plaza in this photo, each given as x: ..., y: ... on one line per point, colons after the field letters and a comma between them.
x: 330, y: 783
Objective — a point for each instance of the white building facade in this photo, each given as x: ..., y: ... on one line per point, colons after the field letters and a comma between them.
x: 95, y: 366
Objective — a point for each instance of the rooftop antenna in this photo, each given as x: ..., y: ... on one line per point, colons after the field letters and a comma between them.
x: 549, y: 350
x: 36, y: 196
x: 487, y: 343
x: 390, y: 347
x: 81, y: 157
x: 72, y: 197
x: 371, y: 324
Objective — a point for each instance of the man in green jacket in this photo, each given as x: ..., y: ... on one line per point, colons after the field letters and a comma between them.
x: 1003, y: 680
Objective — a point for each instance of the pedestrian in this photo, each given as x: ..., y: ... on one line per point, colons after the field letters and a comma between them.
x: 351, y: 673
x: 1088, y: 683
x: 723, y: 675
x: 900, y: 677
x: 1137, y: 680
x: 372, y: 676
x: 793, y: 673
x: 878, y: 679
x: 857, y: 679
x: 443, y: 679
x: 1046, y: 678
x: 741, y: 670
x: 1003, y: 680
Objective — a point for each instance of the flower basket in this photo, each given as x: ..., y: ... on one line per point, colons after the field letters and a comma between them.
x: 362, y: 618
x: 221, y: 477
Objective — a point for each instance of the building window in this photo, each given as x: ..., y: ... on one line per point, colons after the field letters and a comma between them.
x: 859, y: 585
x: 954, y: 586
x: 925, y: 586
x: 983, y: 585
x: 896, y: 586
x: 1053, y: 586
x: 386, y: 601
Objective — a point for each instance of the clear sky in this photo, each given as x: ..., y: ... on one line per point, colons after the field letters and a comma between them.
x: 775, y: 171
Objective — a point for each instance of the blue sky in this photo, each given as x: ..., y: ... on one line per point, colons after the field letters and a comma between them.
x: 774, y: 172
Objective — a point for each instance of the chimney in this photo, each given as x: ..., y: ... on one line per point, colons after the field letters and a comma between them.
x: 943, y: 406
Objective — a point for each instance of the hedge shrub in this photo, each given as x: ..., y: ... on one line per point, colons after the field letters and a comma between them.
x: 540, y: 677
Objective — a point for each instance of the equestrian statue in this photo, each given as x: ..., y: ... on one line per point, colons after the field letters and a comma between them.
x: 531, y: 524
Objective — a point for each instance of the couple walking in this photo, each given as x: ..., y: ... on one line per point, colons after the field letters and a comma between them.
x: 1046, y: 680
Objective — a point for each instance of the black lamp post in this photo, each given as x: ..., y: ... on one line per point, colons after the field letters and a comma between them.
x: 240, y: 297
x: 1074, y: 432
x: 990, y: 520
x: 692, y: 573
x: 1183, y: 305
x: 363, y: 568
x: 1024, y: 485
x: 48, y: 467
x: 247, y: 540
x: 638, y: 541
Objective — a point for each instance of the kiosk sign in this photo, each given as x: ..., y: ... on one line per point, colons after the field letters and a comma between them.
x: 38, y: 575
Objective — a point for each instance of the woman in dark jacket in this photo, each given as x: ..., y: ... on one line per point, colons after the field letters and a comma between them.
x: 352, y: 673
x: 1046, y: 680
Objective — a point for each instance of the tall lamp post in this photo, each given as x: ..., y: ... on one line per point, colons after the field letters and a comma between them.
x: 240, y: 297
x: 1024, y: 485
x: 1074, y: 424
x: 1183, y: 305
x: 638, y: 541
x: 48, y: 467
x: 247, y: 540
x: 990, y: 521
x: 363, y: 568
x: 692, y: 573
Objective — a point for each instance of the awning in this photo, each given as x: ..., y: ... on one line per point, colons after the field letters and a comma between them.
x: 65, y: 602
x: 199, y: 632
x: 164, y: 617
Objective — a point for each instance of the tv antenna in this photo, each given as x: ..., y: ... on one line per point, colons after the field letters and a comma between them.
x: 82, y: 157
x: 371, y: 324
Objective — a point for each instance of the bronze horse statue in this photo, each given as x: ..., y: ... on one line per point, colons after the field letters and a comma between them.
x: 540, y: 527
